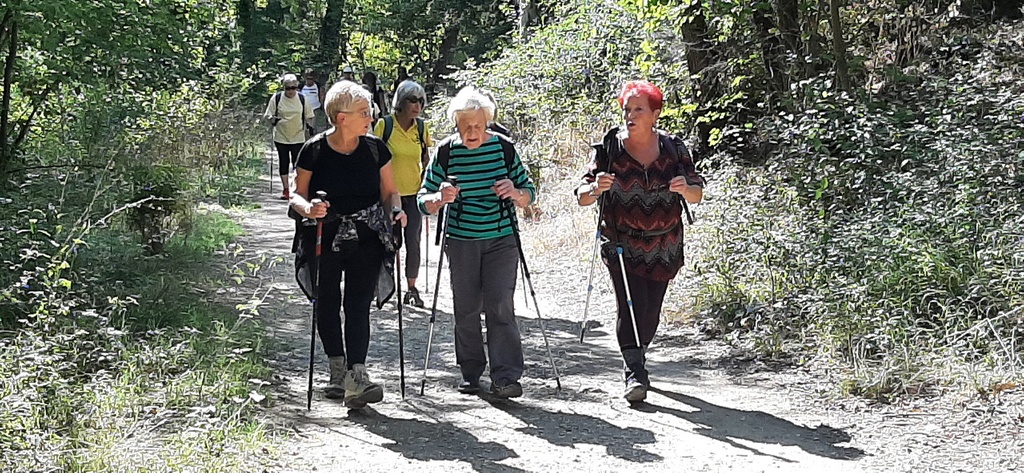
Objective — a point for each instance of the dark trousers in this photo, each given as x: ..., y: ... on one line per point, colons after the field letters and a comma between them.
x: 411, y: 236
x: 360, y: 265
x: 484, y: 280
x: 286, y: 157
x: 647, y: 296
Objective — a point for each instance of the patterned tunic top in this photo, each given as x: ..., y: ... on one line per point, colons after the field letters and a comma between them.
x: 639, y: 211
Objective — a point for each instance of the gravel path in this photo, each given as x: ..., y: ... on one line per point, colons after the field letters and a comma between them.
x: 711, y: 409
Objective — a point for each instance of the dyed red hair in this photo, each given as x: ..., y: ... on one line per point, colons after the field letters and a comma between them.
x: 642, y: 88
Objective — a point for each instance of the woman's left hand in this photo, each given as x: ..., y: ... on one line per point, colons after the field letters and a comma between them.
x: 400, y: 217
x: 678, y: 185
x: 505, y: 189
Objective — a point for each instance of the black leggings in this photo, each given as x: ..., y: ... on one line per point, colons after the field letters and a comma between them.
x: 647, y: 296
x: 411, y: 236
x: 361, y: 266
x: 286, y: 156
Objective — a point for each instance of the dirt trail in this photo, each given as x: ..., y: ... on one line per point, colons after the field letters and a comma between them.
x: 710, y: 411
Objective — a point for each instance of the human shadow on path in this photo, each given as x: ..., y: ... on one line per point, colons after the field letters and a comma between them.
x: 427, y: 441
x: 569, y: 429
x: 726, y: 424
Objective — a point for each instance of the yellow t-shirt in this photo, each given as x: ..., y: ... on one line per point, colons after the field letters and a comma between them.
x: 290, y: 129
x: 405, y: 155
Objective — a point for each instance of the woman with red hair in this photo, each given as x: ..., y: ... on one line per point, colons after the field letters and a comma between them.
x: 640, y: 175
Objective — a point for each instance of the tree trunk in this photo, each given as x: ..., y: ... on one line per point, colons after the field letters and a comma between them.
x: 771, y: 51
x: 839, y: 46
x: 815, y: 42
x: 244, y: 10
x: 6, y: 145
x: 698, y: 58
x: 330, y: 36
x: 446, y: 51
x: 788, y: 15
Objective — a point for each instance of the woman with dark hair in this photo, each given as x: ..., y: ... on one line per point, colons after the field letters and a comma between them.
x: 641, y: 175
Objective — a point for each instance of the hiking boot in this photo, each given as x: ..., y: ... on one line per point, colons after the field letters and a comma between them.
x: 469, y: 387
x: 336, y: 388
x: 506, y: 389
x: 359, y: 391
x: 637, y: 379
x: 635, y: 390
x: 412, y: 297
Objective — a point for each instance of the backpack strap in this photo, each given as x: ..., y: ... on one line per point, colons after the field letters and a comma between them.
x: 682, y: 155
x: 277, y: 105
x: 389, y: 127
x: 421, y: 128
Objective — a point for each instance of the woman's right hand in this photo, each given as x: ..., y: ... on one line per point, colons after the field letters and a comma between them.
x: 317, y: 209
x: 603, y: 183
x: 448, y: 192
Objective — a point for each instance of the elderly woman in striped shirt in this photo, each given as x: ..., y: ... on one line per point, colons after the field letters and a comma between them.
x: 490, y: 178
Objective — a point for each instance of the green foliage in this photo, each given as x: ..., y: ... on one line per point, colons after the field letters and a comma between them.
x: 886, y: 223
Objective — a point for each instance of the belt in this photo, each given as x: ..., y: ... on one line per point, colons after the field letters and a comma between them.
x: 634, y: 233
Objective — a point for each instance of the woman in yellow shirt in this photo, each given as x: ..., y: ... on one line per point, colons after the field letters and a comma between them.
x: 407, y: 138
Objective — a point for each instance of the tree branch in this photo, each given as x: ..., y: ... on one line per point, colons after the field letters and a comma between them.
x: 31, y: 116
x: 54, y: 166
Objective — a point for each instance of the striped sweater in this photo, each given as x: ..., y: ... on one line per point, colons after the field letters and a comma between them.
x: 477, y: 212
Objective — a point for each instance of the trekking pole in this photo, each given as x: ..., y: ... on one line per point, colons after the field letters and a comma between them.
x: 321, y: 196
x: 593, y: 262
x: 629, y: 298
x: 426, y: 247
x: 442, y: 235
x: 396, y: 231
x: 509, y: 207
x: 525, y: 295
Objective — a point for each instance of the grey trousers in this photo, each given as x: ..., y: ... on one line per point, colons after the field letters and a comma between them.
x: 484, y: 280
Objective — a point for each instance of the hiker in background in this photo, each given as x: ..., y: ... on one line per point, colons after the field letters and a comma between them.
x: 380, y: 98
x: 290, y: 113
x: 314, y: 93
x: 480, y: 243
x: 407, y: 137
x: 403, y: 75
x: 348, y: 74
x: 355, y: 171
x: 641, y: 174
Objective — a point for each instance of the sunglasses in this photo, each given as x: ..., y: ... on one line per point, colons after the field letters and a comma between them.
x: 421, y: 100
x: 291, y: 88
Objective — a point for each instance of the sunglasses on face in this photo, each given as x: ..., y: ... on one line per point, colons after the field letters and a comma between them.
x: 419, y: 100
x: 291, y: 88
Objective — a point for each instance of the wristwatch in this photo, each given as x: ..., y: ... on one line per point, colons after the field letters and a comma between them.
x: 396, y: 209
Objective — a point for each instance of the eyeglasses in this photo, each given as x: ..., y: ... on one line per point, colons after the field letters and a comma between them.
x: 290, y: 87
x: 419, y: 100
x: 363, y: 113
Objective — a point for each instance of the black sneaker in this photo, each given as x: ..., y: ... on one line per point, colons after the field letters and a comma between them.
x: 469, y: 387
x: 506, y: 389
x: 412, y: 297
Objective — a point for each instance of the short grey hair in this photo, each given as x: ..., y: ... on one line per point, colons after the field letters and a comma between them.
x: 407, y: 89
x: 470, y: 99
x: 289, y: 79
x: 342, y: 96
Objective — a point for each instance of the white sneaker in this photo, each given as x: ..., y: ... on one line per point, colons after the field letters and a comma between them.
x: 359, y: 391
